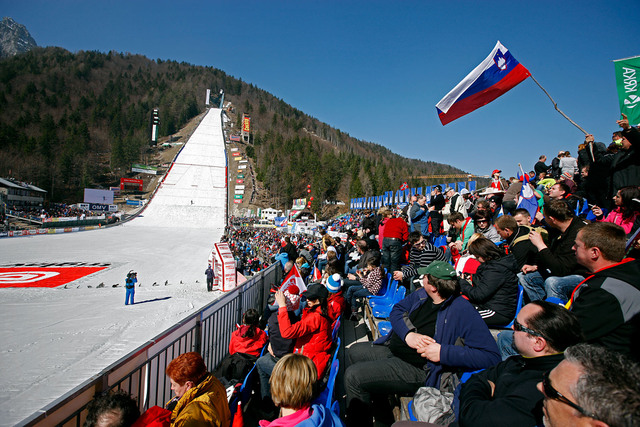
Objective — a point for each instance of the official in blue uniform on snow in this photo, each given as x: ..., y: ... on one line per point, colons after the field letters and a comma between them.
x: 130, y: 286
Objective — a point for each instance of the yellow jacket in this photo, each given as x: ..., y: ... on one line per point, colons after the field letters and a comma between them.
x: 203, y: 405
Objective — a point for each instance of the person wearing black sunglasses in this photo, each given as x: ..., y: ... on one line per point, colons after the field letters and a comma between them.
x: 506, y: 394
x: 593, y: 386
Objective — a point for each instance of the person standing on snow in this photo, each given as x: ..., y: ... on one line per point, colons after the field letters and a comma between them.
x: 130, y: 286
x: 209, y: 273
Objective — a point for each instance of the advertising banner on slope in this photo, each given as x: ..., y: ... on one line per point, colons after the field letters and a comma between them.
x: 224, y: 267
x: 42, y: 277
x: 150, y: 170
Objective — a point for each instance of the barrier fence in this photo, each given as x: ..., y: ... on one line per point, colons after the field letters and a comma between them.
x: 141, y: 372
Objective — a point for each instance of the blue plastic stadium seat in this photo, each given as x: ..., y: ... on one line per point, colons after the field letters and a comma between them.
x: 518, y: 308
x: 384, y: 327
x: 383, y: 311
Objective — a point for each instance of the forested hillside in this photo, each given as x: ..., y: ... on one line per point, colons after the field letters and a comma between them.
x: 75, y: 120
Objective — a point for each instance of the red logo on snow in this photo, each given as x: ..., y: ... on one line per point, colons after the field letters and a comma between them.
x: 40, y: 277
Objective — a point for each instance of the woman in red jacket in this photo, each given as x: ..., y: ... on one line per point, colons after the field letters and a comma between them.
x: 313, y: 332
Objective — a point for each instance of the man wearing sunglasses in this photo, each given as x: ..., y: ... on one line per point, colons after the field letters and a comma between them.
x: 506, y: 394
x: 592, y: 386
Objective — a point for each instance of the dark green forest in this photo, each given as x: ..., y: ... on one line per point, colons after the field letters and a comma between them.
x: 75, y: 120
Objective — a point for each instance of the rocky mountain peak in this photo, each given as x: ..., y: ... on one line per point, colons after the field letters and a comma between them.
x: 14, y: 38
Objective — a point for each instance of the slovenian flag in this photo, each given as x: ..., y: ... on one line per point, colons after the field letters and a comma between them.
x: 527, y: 199
x: 495, y: 76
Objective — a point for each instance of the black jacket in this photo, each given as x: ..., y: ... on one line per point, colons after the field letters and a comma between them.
x: 559, y: 259
x: 495, y: 286
x: 516, y: 400
x: 624, y: 166
x: 523, y: 250
x: 607, y: 305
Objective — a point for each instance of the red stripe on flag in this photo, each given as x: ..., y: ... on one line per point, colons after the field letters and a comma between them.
x: 480, y: 99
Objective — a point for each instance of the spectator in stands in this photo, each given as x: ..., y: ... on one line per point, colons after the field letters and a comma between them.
x: 419, y: 215
x: 516, y: 240
x: 394, y: 236
x: 406, y: 211
x: 592, y: 386
x: 557, y: 271
x: 200, y: 398
x: 248, y: 338
x: 510, y: 199
x: 626, y: 211
x: 494, y: 292
x: 435, y: 213
x: 506, y: 394
x: 335, y: 302
x: 482, y: 224
x: 112, y: 409
x: 607, y: 303
x: 312, y: 333
x: 568, y: 165
x: 371, y: 283
x: 422, y: 254
x: 522, y: 216
x: 495, y: 206
x: 464, y: 228
x: 292, y: 388
x: 623, y: 166
x: 540, y: 167
x: 278, y: 345
x: 555, y: 165
x: 421, y: 348
x: 567, y: 179
x: 366, y: 255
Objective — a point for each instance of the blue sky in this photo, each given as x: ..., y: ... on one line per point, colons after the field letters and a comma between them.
x: 376, y: 69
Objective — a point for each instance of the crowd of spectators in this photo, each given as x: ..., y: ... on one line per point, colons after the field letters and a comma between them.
x: 568, y: 354
x: 54, y: 210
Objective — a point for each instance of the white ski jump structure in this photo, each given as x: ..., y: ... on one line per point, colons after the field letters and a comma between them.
x: 55, y: 338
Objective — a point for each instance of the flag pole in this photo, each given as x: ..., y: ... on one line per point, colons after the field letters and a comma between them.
x: 555, y: 105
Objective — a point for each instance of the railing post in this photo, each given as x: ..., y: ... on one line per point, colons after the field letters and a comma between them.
x: 197, y: 342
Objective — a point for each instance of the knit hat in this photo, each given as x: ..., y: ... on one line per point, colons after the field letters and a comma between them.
x: 292, y: 296
x: 334, y: 283
x: 440, y: 269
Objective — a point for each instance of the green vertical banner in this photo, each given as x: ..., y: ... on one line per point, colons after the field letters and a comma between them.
x: 627, y: 76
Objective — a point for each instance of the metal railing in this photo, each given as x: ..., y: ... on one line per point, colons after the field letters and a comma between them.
x: 142, y: 372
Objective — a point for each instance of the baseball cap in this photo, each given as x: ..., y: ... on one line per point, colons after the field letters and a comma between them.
x: 440, y: 269
x: 464, y: 191
x: 316, y: 291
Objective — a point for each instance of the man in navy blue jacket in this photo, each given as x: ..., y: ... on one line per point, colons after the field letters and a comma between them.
x: 434, y: 331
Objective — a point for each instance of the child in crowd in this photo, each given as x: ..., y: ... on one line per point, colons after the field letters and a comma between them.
x: 371, y: 282
x: 248, y: 338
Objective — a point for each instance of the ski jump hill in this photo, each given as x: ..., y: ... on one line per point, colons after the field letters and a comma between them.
x: 62, y: 320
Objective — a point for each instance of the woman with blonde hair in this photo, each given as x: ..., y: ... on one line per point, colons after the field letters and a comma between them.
x: 292, y: 386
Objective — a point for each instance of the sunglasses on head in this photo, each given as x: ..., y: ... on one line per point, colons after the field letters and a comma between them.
x: 554, y: 394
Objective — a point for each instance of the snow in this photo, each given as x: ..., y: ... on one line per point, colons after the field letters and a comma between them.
x: 54, y: 339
